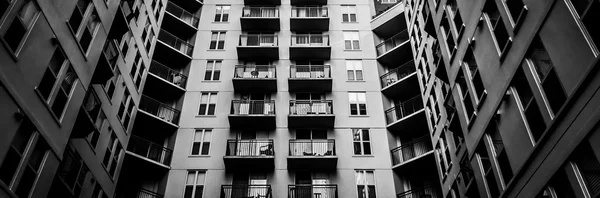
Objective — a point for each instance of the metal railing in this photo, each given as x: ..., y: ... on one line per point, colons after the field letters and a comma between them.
x: 246, y: 191
x: 258, y: 40
x: 159, y: 109
x: 310, y: 12
x: 311, y: 107
x: 150, y: 150
x: 182, y: 14
x: 392, y: 42
x: 312, y: 191
x: 250, y: 148
x: 111, y: 53
x: 143, y: 193
x: 427, y: 191
x: 310, y: 40
x: 168, y: 74
x: 310, y: 71
x: 312, y: 147
x: 254, y: 72
x: 253, y: 107
x: 260, y: 12
x: 398, y: 73
x: 177, y: 43
x: 410, y: 150
x: 404, y: 109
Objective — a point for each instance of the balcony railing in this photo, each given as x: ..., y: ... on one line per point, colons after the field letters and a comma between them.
x: 143, y: 193
x: 397, y: 74
x: 158, y: 109
x: 150, y: 150
x: 177, y: 43
x: 392, y: 42
x: 312, y: 148
x: 250, y: 148
x: 310, y: 71
x: 310, y: 12
x: 258, y: 40
x: 310, y: 40
x: 260, y: 12
x: 411, y: 150
x: 312, y: 191
x: 111, y: 52
x: 168, y: 74
x: 246, y: 191
x: 182, y: 14
x: 404, y: 109
x: 253, y: 107
x: 427, y: 191
x: 311, y: 107
x: 254, y: 72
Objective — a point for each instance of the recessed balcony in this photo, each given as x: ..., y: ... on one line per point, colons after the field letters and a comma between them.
x: 252, y: 114
x: 310, y: 47
x: 407, y: 115
x: 260, y: 19
x: 427, y: 191
x: 394, y: 50
x: 107, y: 62
x: 401, y: 82
x: 258, y: 47
x: 262, y: 2
x: 311, y: 114
x: 173, y: 50
x: 153, y: 111
x: 411, y: 151
x: 90, y: 117
x: 308, y: 2
x: 313, y: 191
x: 246, y: 191
x: 310, y: 78
x: 165, y: 80
x: 249, y: 154
x: 312, y: 154
x: 255, y: 78
x: 149, y: 151
x: 179, y: 21
x: 309, y: 19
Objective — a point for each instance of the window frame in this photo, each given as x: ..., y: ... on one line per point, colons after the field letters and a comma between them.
x: 223, y: 9
x: 221, y: 36
x: 349, y: 34
x: 212, y: 70
x: 355, y: 65
x: 8, y: 23
x: 195, y: 184
x: 347, y: 10
x: 202, y: 141
x: 358, y: 184
x: 208, y: 103
x: 358, y: 103
x: 361, y: 141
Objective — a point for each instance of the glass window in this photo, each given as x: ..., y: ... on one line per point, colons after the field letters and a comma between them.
x: 217, y: 40
x: 213, y: 70
x: 354, y: 69
x: 201, y: 143
x: 222, y: 13
x: 348, y: 13
x: 208, y: 103
x: 351, y: 40
x: 358, y: 103
x: 194, y: 184
x: 361, y: 141
x: 542, y: 65
x: 365, y: 183
x: 21, y: 24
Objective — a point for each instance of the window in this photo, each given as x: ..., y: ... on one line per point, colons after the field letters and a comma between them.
x: 388, y: 1
x: 23, y: 160
x: 217, y: 41
x: 112, y: 155
x: 444, y: 154
x: 497, y: 28
x: 57, y: 83
x: 354, y: 69
x: 84, y: 13
x: 20, y: 25
x: 587, y: 167
x: 194, y: 184
x: 545, y: 74
x: 137, y: 70
x: 517, y: 9
x: 213, y: 70
x: 485, y: 166
x: 208, y: 103
x: 73, y: 172
x: 201, y: 143
x: 474, y: 75
x: 588, y: 13
x: 365, y: 183
x: 110, y: 87
x: 529, y: 106
x: 348, y: 13
x: 469, y: 106
x: 351, y: 40
x: 499, y: 151
x: 125, y: 109
x: 358, y: 103
x: 222, y: 13
x: 361, y: 141
x: 98, y: 192
x: 93, y: 137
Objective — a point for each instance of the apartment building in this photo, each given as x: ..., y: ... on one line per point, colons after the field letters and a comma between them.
x: 510, y: 95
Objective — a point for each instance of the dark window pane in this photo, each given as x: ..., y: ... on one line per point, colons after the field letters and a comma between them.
x: 345, y: 17
x: 554, y: 91
x: 86, y: 40
x: 188, y: 191
x: 213, y: 45
x: 211, y: 109
x: 199, y: 190
x: 353, y: 109
x: 205, y: 146
x: 202, y: 110
x: 75, y: 20
x: 14, y: 35
x: 216, y: 74
x: 9, y: 167
x: 363, y: 109
x: 357, y: 150
x: 59, y: 104
x: 26, y: 183
x: 535, y: 120
x: 207, y: 75
x: 196, y: 148
x: 367, y: 147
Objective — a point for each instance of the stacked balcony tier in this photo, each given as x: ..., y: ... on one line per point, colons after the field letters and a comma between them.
x: 246, y: 191
x: 255, y: 18
x: 312, y: 154
x: 164, y: 117
x: 164, y: 81
x: 411, y: 151
x: 179, y: 21
x: 313, y: 18
x: 252, y: 114
x: 401, y: 82
x: 310, y: 78
x: 258, y: 47
x: 394, y: 50
x: 149, y: 151
x: 312, y: 191
x: 310, y: 47
x: 172, y: 50
x: 311, y: 114
x: 255, y: 154
x: 406, y: 115
x: 255, y: 78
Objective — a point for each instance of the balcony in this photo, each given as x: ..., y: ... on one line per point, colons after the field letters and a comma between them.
x: 391, y: 21
x: 179, y: 21
x: 255, y: 78
x: 394, y: 50
x: 90, y: 117
x: 249, y: 154
x: 154, y: 110
x: 260, y: 19
x: 411, y: 151
x: 165, y: 80
x: 310, y: 46
x: 140, y: 193
x: 407, y: 115
x: 149, y: 151
x: 310, y: 78
x: 173, y: 50
x: 107, y: 62
x: 401, y: 82
x: 312, y: 154
x: 246, y: 191
x: 252, y: 114
x: 427, y: 191
x: 311, y: 114
x: 312, y: 191
x: 191, y: 6
x: 258, y: 47
x: 308, y: 2
x: 309, y: 19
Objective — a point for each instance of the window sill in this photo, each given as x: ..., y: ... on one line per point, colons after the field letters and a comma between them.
x: 215, y: 50
x: 352, y: 50
x: 206, y: 116
x: 198, y: 156
x: 356, y: 81
x: 350, y: 22
x: 211, y: 81
x: 363, y: 156
x: 220, y: 22
x: 359, y: 116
